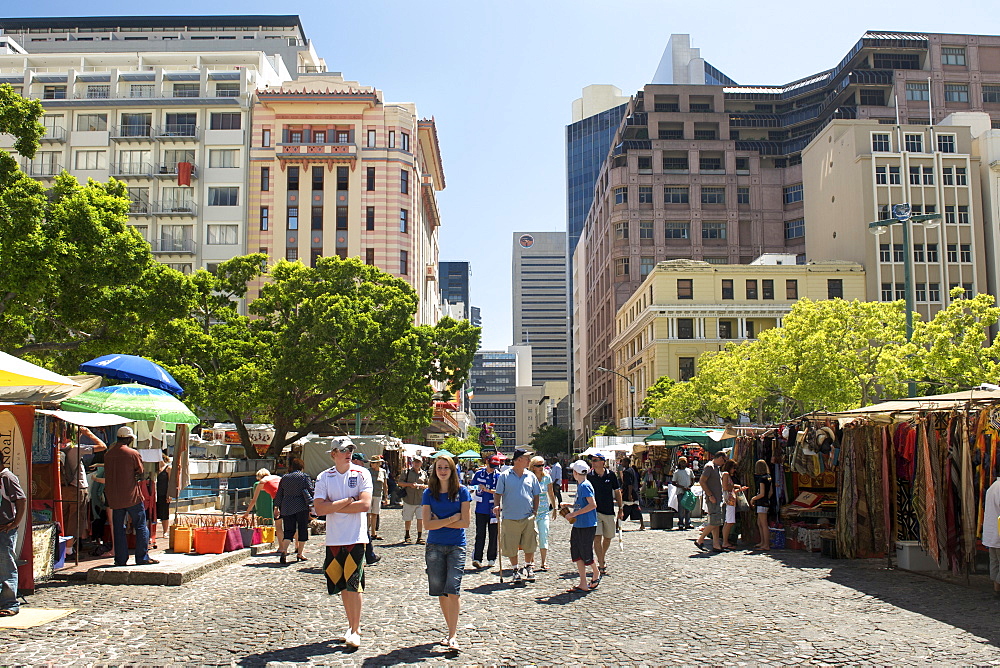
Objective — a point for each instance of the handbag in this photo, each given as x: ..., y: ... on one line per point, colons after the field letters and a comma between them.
x: 688, y: 500
x: 741, y: 502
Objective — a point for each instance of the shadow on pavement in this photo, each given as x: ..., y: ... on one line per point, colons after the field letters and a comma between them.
x: 489, y: 587
x: 410, y: 655
x: 266, y: 564
x: 302, y: 653
x: 562, y: 598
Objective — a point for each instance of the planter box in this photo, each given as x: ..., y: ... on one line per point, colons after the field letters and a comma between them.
x: 910, y: 556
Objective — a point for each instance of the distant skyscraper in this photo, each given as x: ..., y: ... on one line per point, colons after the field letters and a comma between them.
x: 539, y: 302
x: 475, y: 316
x: 454, y: 280
x: 494, y: 379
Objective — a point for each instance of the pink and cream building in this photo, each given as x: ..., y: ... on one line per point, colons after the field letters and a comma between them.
x: 334, y: 170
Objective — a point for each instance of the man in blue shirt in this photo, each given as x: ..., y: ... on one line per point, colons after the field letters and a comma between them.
x: 516, y: 498
x: 484, y: 482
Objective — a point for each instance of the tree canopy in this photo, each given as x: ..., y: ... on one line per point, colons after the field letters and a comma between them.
x: 550, y: 440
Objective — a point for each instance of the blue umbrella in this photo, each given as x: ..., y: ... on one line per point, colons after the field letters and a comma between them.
x: 134, y: 368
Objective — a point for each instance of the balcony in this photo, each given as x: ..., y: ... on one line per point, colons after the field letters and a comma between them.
x: 168, y: 170
x: 138, y: 208
x: 132, y: 133
x: 45, y: 170
x: 314, y: 151
x: 53, y: 134
x: 131, y: 170
x: 176, y: 132
x: 175, y: 208
x: 174, y: 246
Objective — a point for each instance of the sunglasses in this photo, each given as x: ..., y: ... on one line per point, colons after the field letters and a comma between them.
x: 537, y: 466
x: 343, y: 448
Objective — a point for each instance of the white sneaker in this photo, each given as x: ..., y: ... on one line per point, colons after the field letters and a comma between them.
x: 529, y: 572
x: 516, y: 577
x: 491, y: 563
x: 352, y: 639
x: 343, y: 636
x: 453, y: 643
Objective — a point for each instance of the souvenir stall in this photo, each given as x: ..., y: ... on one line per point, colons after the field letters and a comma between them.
x: 912, y: 478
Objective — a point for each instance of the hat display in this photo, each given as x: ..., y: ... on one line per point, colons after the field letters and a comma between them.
x: 580, y: 466
x: 125, y: 432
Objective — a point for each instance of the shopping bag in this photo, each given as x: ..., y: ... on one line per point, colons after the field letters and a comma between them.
x: 741, y: 502
x: 688, y: 500
x: 267, y: 535
x: 246, y: 534
x: 673, y: 499
x: 234, y: 539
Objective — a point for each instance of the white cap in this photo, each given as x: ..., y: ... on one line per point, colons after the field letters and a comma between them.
x: 580, y: 466
x: 125, y: 432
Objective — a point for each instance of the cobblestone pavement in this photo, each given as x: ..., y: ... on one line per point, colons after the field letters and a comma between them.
x: 662, y: 603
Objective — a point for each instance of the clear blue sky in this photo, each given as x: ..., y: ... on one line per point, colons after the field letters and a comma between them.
x: 499, y: 76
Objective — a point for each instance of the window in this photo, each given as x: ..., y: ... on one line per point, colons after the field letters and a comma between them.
x: 404, y: 181
x: 316, y: 218
x: 932, y: 252
x: 751, y: 288
x: 881, y: 176
x: 951, y: 253
x: 404, y: 140
x: 136, y: 125
x: 675, y: 163
x: 713, y: 230
x: 685, y: 328
x: 928, y: 174
x: 371, y: 142
x: 645, y: 164
x: 918, y: 252
x: 727, y: 288
x: 991, y: 93
x: 224, y: 196
x: 956, y: 92
x: 224, y: 157
x: 791, y: 289
x: 341, y: 217
x: 793, y: 193
x: 645, y: 229
x: 743, y: 195
x: 404, y: 262
x: 392, y: 144
x: 292, y: 179
x: 963, y: 215
x: 965, y: 253
x: 369, y: 256
x: 369, y: 218
x: 98, y: 91
x: 265, y: 179
x: 90, y: 160
x: 92, y: 122
x: 685, y: 368
x: 645, y: 194
x: 343, y: 137
x: 319, y: 137
x: 265, y: 138
x: 685, y: 288
x: 677, y: 230
x: 886, y: 292
x: 293, y: 217
x: 914, y: 176
x: 725, y: 329
x: 646, y: 266
x: 913, y: 143
x: 894, y: 176
x: 742, y: 165
x: 920, y: 292
x: 834, y: 288
x: 880, y: 143
x: 227, y: 89
x: 960, y: 179
x: 370, y: 179
x: 226, y: 121
x: 946, y: 143
x: 295, y: 136
x: 621, y: 231
x: 54, y: 93
x: 404, y: 221
x: 138, y: 200
x: 343, y: 177
x: 621, y: 195
x: 713, y: 196
x: 675, y: 195
x: 933, y: 292
x: 265, y: 218
x: 795, y: 229
x: 750, y: 329
x: 187, y: 90
x: 947, y: 176
x: 708, y: 163
x: 291, y: 254
x: 767, y: 288
x: 952, y: 55
x: 222, y: 235
x: 621, y: 266
x: 872, y: 96
x: 916, y: 92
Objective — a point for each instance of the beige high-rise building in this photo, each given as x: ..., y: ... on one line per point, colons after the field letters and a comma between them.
x: 855, y: 171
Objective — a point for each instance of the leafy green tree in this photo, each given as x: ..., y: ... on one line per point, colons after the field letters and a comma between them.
x: 76, y: 280
x: 549, y: 440
x: 654, y: 393
x: 457, y: 446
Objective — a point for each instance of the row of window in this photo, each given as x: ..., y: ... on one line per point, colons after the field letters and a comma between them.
x: 138, y: 163
x: 681, y: 195
x: 923, y: 292
x: 292, y: 254
x: 921, y: 175
x: 912, y: 142
x: 686, y: 329
x: 179, y: 238
x: 925, y: 253
x: 100, y: 91
x: 952, y: 214
x: 834, y: 288
x: 316, y: 218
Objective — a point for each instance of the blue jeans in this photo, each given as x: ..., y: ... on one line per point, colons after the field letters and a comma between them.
x: 8, y: 571
x: 138, y: 515
x: 445, y: 567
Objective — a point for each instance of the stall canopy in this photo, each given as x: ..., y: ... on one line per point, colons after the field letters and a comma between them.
x: 50, y: 394
x: 16, y: 373
x: 88, y: 419
x: 712, y: 440
x: 939, y: 402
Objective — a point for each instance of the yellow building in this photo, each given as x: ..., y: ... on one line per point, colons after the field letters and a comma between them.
x: 687, y: 307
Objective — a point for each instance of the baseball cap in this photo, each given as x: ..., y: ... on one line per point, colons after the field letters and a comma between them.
x: 125, y: 432
x: 599, y: 455
x: 494, y: 461
x: 417, y: 458
x: 519, y: 452
x: 580, y: 466
x: 341, y: 444
x: 359, y: 457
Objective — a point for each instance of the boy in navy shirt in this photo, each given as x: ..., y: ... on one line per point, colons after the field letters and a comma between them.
x: 484, y: 482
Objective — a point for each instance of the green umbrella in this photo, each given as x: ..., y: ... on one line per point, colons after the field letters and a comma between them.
x: 139, y: 402
x: 469, y: 454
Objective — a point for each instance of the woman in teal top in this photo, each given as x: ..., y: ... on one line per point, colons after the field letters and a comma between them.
x: 546, y: 503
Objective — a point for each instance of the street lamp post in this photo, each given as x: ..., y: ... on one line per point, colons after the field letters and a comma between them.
x: 631, y: 390
x: 902, y: 216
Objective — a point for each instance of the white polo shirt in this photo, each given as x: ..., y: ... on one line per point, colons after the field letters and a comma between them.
x: 344, y: 528
x: 991, y: 510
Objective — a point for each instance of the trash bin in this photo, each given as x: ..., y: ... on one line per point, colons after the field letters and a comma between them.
x: 661, y: 519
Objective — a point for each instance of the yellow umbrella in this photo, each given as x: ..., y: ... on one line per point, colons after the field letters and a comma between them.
x: 17, y: 373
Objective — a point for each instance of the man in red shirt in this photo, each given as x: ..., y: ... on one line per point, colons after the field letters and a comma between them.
x: 122, y: 473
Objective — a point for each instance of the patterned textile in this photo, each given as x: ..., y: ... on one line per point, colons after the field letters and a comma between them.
x: 345, y: 568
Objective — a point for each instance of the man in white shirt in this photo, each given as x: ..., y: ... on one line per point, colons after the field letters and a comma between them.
x: 344, y: 494
x: 991, y: 536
